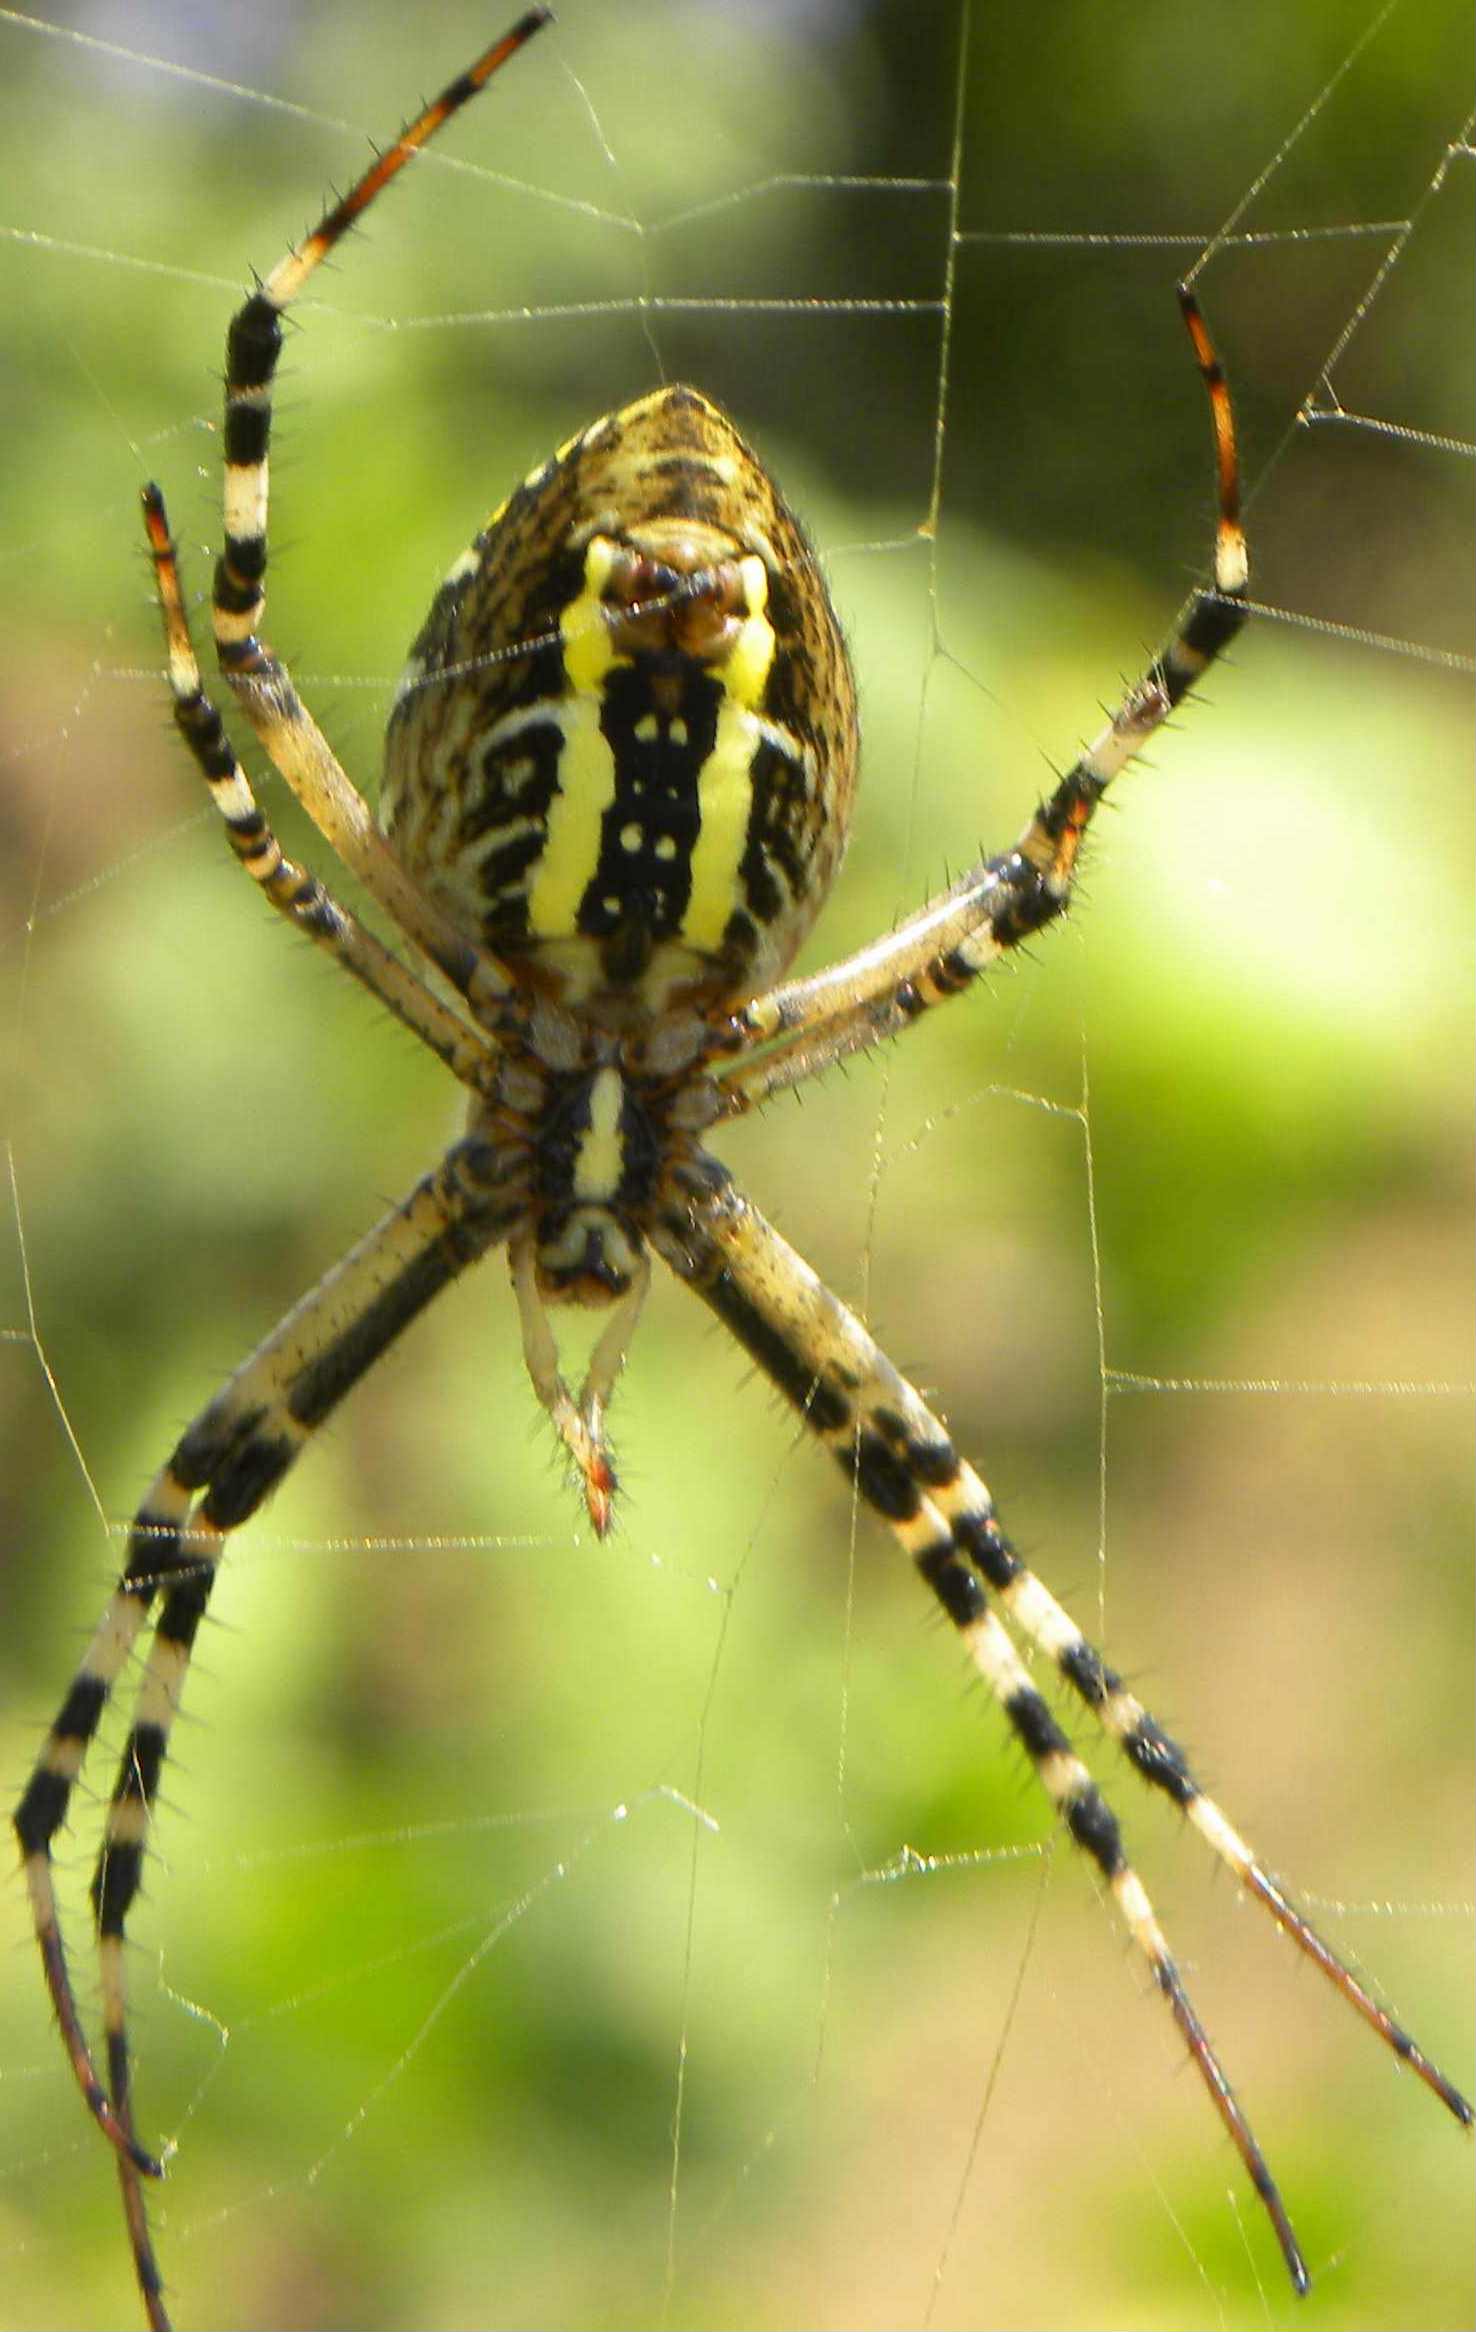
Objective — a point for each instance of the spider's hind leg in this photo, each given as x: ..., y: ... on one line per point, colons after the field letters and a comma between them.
x: 225, y: 1465
x: 904, y: 1464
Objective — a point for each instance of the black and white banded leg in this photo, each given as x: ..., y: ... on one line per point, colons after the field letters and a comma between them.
x: 261, y: 682
x: 295, y: 893
x: 904, y: 1464
x: 805, y: 1025
x: 229, y: 1460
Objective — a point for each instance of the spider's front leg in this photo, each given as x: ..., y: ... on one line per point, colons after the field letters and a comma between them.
x: 800, y: 1028
x: 262, y: 683
x: 229, y: 1460
x: 904, y: 1464
x: 305, y: 902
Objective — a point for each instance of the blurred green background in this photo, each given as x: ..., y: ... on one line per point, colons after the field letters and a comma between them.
x: 435, y: 1954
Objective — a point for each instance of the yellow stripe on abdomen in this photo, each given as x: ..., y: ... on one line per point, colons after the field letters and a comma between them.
x: 725, y: 782
x: 571, y: 854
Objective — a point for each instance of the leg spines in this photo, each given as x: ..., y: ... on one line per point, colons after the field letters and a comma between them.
x: 954, y: 1583
x: 980, y: 1538
x: 253, y: 345
x: 881, y: 1474
x: 81, y: 1711
x: 294, y: 892
x: 822, y: 1405
x: 1095, y: 1828
x: 226, y: 1425
x: 245, y: 562
x: 115, y: 1882
x: 223, y: 1467
x: 44, y: 1801
x: 248, y: 429
x: 944, y: 1518
x: 809, y: 1023
x: 246, y: 1478
x: 237, y: 599
x: 1158, y: 1758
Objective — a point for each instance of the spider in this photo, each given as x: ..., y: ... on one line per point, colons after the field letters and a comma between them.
x: 618, y: 780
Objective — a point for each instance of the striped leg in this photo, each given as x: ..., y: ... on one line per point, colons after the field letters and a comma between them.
x: 904, y: 1464
x: 979, y: 1541
x: 229, y: 1460
x: 806, y: 1024
x: 294, y: 892
x: 262, y: 684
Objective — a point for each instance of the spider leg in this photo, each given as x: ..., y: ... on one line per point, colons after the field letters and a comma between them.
x: 966, y: 1503
x: 228, y: 1461
x: 807, y: 1024
x: 294, y: 892
x: 900, y: 1456
x: 580, y: 1425
x: 260, y: 680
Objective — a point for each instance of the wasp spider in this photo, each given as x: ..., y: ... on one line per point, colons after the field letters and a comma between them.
x: 618, y: 779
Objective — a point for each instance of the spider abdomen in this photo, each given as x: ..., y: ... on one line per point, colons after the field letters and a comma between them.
x: 624, y: 749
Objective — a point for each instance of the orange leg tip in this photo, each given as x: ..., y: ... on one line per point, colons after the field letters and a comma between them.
x: 599, y: 1494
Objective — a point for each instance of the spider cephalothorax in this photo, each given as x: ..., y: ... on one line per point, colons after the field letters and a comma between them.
x: 618, y: 780
x: 591, y: 1134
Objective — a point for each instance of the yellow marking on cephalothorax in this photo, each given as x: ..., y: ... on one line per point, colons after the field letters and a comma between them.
x: 586, y: 759
x: 725, y: 781
x: 600, y: 1158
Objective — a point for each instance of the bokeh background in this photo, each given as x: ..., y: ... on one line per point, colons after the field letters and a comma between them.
x: 436, y: 1955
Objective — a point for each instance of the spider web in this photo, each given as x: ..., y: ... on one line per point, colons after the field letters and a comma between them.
x: 549, y: 1933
